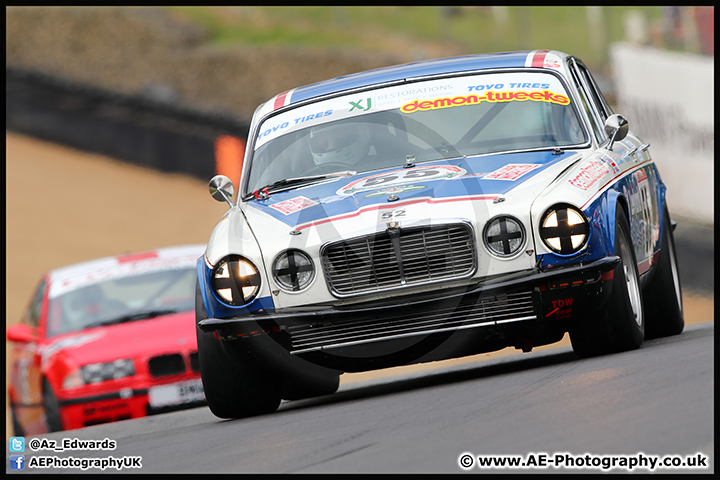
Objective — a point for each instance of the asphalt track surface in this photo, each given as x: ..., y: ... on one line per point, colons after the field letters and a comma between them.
x: 648, y: 403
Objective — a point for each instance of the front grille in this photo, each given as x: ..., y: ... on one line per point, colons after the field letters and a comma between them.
x: 488, y: 311
x: 163, y: 365
x: 194, y: 362
x: 407, y: 256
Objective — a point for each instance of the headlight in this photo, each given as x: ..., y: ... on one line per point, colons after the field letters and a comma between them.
x: 564, y: 229
x: 235, y: 280
x: 504, y: 236
x: 100, y: 372
x: 293, y: 270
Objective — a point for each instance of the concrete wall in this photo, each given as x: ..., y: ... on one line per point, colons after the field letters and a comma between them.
x: 668, y: 99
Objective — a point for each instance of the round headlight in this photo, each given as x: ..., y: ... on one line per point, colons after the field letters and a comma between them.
x: 293, y: 270
x: 235, y: 280
x: 564, y: 229
x: 504, y: 236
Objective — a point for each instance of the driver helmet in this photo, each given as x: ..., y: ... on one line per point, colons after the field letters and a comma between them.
x: 339, y: 143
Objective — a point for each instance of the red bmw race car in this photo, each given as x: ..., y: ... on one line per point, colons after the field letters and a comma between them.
x: 107, y: 340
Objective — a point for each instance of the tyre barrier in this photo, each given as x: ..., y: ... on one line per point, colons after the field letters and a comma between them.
x: 152, y: 132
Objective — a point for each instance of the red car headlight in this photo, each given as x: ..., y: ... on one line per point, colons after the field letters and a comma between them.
x: 100, y: 372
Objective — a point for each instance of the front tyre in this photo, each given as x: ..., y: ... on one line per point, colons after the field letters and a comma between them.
x: 621, y: 324
x: 17, y: 427
x: 52, y: 408
x: 663, y: 294
x: 231, y: 391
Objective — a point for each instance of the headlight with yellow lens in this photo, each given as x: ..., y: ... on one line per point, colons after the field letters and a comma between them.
x: 564, y: 229
x: 235, y: 280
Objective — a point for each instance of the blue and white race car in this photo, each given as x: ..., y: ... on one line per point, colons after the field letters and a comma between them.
x: 428, y: 211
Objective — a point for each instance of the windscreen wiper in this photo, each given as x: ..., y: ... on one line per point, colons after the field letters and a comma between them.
x: 288, y: 183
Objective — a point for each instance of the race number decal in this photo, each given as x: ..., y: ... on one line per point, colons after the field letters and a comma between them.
x: 402, y: 177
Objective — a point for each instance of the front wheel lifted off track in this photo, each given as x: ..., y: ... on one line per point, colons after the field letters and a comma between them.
x: 231, y: 391
x: 620, y: 325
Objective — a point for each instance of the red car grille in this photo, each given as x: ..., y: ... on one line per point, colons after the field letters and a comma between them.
x: 164, y: 365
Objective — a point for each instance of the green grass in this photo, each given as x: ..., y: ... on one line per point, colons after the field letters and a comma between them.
x: 386, y: 29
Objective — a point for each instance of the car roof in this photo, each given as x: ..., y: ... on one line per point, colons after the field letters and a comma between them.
x: 67, y: 277
x: 520, y: 59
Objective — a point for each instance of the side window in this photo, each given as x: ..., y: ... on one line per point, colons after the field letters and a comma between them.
x: 588, y: 103
x: 597, y: 96
x: 32, y: 314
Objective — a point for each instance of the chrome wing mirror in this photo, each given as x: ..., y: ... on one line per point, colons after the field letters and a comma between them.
x: 616, y: 127
x: 222, y: 188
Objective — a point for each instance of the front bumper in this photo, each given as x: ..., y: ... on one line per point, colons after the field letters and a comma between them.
x: 525, y: 310
x: 113, y: 405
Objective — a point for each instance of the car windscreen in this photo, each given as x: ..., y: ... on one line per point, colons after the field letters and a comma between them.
x: 416, y: 122
x: 122, y: 299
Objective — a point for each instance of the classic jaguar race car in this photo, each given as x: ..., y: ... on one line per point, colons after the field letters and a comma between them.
x: 428, y: 211
x: 107, y: 340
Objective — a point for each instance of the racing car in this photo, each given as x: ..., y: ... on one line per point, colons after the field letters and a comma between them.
x: 429, y: 211
x: 107, y: 340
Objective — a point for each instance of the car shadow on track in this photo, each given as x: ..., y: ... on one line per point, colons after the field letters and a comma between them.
x: 476, y: 371
x: 463, y: 373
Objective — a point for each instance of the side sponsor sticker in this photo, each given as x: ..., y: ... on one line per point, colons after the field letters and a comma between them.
x: 590, y: 174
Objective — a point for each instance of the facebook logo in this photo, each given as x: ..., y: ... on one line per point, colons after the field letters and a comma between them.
x: 17, y: 444
x: 17, y: 462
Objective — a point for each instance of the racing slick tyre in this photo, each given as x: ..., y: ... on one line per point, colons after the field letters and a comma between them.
x: 51, y: 407
x: 230, y: 391
x: 620, y: 325
x: 663, y: 295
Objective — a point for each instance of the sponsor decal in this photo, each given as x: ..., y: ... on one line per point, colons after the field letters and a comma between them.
x: 561, y: 308
x: 288, y: 123
x: 402, y: 177
x: 511, y: 172
x: 293, y: 205
x: 589, y: 175
x: 492, y: 97
x: 611, y: 164
x: 395, y: 190
x: 120, y: 270
x: 641, y: 176
x: 359, y: 105
x: 499, y: 86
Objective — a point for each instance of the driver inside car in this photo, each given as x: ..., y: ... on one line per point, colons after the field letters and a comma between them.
x: 339, y: 145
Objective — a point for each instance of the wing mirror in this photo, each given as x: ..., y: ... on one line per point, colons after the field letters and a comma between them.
x: 616, y: 128
x: 222, y: 189
x: 21, y: 333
